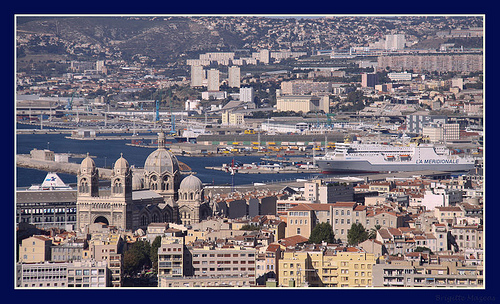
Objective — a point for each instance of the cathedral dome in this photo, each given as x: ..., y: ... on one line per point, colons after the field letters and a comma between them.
x: 191, y: 183
x: 161, y: 160
x: 121, y: 165
x: 87, y: 165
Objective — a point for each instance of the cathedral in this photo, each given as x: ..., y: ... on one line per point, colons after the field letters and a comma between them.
x: 135, y: 199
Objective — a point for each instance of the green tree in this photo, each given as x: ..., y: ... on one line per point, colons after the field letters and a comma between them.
x: 422, y: 249
x: 372, y: 234
x: 356, y: 234
x: 137, y: 257
x: 248, y: 227
x: 323, y: 232
x: 153, y: 253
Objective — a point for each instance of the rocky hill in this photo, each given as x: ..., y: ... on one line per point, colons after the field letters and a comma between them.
x: 164, y: 39
x: 172, y: 39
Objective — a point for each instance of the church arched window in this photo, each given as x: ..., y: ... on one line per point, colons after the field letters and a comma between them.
x: 166, y: 217
x: 144, y: 220
x: 191, y: 196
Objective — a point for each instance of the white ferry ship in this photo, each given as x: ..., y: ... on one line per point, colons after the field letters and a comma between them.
x: 51, y: 182
x: 357, y: 157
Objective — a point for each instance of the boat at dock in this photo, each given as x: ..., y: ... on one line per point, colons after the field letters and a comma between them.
x: 358, y: 157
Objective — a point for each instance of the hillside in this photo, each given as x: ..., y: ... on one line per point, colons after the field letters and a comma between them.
x: 162, y: 39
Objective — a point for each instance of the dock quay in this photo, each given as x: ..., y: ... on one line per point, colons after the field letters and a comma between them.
x: 265, y: 170
x: 115, y: 137
x: 25, y: 161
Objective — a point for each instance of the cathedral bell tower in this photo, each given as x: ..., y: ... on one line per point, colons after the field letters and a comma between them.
x: 88, y: 178
x: 121, y: 179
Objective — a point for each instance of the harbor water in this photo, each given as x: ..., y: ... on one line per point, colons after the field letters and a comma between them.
x: 107, y: 152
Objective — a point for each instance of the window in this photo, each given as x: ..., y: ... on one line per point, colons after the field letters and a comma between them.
x: 298, y: 230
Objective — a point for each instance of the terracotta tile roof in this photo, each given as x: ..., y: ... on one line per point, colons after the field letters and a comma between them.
x: 394, y: 231
x: 273, y: 247
x: 41, y: 237
x: 360, y: 208
x: 293, y: 240
x: 311, y: 207
x: 452, y: 208
x: 384, y: 233
x: 344, y: 204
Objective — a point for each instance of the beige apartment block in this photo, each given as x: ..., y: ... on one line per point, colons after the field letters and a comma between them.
x: 35, y: 249
x: 303, y: 103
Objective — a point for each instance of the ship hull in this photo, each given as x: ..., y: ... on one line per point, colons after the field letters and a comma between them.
x: 364, y: 166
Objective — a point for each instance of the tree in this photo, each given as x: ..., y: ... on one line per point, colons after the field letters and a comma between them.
x: 153, y: 253
x: 136, y: 258
x: 422, y: 249
x: 323, y: 232
x: 373, y: 232
x: 248, y: 227
x: 356, y: 234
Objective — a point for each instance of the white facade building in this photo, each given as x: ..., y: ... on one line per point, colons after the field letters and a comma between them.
x: 395, y: 42
x: 197, y: 76
x: 247, y: 94
x: 213, y: 80
x: 404, y: 76
x: 234, y: 78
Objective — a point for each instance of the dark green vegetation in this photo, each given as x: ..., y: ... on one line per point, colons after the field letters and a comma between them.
x: 323, y: 232
x: 357, y: 234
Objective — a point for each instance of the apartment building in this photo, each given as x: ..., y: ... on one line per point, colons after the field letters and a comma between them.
x: 433, y: 63
x: 213, y: 80
x: 71, y: 250
x: 35, y: 249
x: 302, y: 218
x: 84, y: 273
x: 301, y: 87
x: 467, y: 237
x: 344, y: 215
x: 205, y: 266
x: 369, y: 80
x: 406, y: 272
x: 197, y: 75
x: 232, y: 119
x: 303, y: 103
x: 383, y: 218
x: 295, y: 269
x: 347, y: 269
x: 448, y: 215
x: 321, y: 191
x: 173, y: 259
x: 247, y: 94
x: 326, y: 267
x: 104, y: 246
x: 234, y: 78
